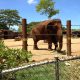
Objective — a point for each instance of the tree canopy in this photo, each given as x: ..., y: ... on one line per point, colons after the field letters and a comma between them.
x: 29, y: 26
x: 3, y: 26
x: 32, y: 25
x: 9, y: 17
x: 46, y: 7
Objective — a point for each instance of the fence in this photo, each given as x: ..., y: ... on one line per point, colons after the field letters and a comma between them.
x: 58, y: 69
x: 69, y: 26
x: 48, y: 70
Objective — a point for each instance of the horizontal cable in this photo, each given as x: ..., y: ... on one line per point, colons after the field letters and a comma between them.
x: 70, y: 58
x: 75, y: 52
x: 39, y: 63
x: 30, y: 35
x: 14, y: 45
x: 28, y: 66
x: 33, y: 45
x: 72, y: 25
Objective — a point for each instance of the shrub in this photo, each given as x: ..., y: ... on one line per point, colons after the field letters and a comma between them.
x: 12, y: 57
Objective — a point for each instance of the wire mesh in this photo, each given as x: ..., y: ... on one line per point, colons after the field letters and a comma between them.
x: 41, y: 72
x: 70, y: 70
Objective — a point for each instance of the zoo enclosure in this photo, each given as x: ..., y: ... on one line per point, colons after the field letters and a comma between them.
x: 55, y: 72
x: 58, y: 69
x: 68, y: 32
x: 25, y: 35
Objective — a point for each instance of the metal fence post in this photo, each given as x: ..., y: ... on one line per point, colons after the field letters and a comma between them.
x: 57, y: 68
x: 69, y: 37
x: 24, y: 33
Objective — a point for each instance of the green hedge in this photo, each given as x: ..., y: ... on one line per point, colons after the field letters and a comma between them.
x: 12, y: 57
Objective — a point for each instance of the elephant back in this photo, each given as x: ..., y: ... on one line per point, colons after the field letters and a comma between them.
x: 40, y: 28
x: 48, y: 22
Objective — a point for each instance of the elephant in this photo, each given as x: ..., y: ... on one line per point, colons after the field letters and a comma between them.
x: 50, y: 30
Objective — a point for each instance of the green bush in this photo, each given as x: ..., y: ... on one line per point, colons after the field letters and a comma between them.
x: 12, y: 57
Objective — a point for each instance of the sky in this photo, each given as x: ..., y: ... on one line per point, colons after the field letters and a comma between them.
x: 69, y: 10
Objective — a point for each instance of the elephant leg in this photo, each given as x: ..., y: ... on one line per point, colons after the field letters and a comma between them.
x: 60, y: 44
x: 55, y: 41
x: 35, y: 42
x: 56, y: 46
x: 49, y: 45
x: 35, y: 45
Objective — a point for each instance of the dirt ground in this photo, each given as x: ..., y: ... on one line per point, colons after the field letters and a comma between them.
x: 43, y: 53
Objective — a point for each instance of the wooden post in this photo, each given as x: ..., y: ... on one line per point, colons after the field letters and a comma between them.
x: 24, y: 34
x: 57, y: 68
x: 69, y: 38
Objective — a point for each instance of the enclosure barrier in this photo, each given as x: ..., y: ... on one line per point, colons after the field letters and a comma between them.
x: 69, y: 38
x: 58, y: 69
x: 24, y: 33
x: 25, y: 36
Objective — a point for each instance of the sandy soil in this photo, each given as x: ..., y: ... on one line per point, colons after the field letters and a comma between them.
x: 43, y: 53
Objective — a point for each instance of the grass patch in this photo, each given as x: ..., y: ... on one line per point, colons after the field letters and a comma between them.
x: 47, y: 72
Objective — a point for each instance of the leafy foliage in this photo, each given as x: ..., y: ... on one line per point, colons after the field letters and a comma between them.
x: 64, y: 28
x: 46, y: 7
x: 12, y: 57
x: 29, y: 26
x: 9, y: 17
x: 3, y: 26
x: 32, y: 25
x: 68, y: 70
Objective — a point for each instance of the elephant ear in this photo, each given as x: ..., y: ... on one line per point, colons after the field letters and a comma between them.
x: 52, y: 28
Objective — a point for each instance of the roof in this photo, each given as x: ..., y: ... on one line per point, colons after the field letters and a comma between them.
x: 5, y: 30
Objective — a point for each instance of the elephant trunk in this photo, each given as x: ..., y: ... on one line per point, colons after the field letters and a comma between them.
x: 60, y: 40
x: 60, y: 43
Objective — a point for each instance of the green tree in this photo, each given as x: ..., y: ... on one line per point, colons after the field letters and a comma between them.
x: 19, y: 28
x: 9, y: 17
x: 3, y: 26
x: 64, y: 28
x: 46, y: 7
x: 29, y: 26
